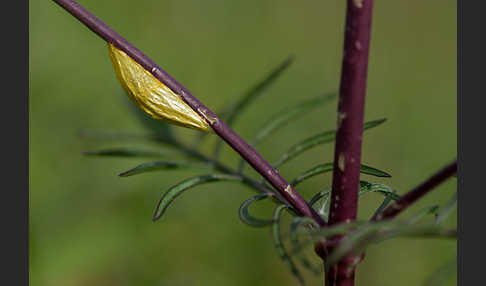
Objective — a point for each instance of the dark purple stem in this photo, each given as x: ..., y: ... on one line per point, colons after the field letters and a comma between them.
x: 219, y: 127
x: 411, y: 197
x: 347, y: 152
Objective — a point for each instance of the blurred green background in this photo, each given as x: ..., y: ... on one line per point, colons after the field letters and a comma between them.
x: 90, y: 227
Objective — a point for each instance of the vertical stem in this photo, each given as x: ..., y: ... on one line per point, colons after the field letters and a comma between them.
x: 347, y: 154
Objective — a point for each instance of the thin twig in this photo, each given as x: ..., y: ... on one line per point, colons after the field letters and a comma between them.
x: 219, y: 127
x: 411, y: 197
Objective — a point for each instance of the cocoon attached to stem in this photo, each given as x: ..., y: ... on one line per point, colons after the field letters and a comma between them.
x: 151, y: 95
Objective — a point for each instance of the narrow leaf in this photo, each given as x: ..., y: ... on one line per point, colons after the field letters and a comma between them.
x: 323, y: 210
x: 367, y: 187
x: 422, y: 213
x: 162, y: 165
x: 373, y: 171
x: 326, y: 167
x: 245, y: 215
x: 316, y: 140
x: 185, y: 185
x: 231, y: 112
x: 384, y: 204
x: 446, y: 210
x: 294, y: 239
x: 324, y: 233
x: 355, y: 242
x: 282, y: 118
x: 278, y: 243
x: 125, y: 152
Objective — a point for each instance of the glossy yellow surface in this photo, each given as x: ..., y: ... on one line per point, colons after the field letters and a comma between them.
x: 151, y: 95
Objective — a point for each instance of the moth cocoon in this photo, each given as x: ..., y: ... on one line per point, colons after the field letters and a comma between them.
x: 151, y: 95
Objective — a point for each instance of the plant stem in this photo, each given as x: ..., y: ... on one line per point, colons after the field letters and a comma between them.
x: 219, y: 127
x: 418, y: 192
x: 347, y: 152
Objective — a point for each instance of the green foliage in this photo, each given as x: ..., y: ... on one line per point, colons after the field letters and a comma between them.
x: 357, y: 235
x: 232, y: 111
x: 316, y: 140
x: 163, y: 165
x: 245, y: 215
x: 185, y: 185
x: 444, y: 212
x: 279, y: 245
x: 327, y: 167
x: 126, y: 152
x: 282, y: 118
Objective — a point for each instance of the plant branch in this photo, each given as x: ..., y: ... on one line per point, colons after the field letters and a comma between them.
x: 418, y: 192
x: 219, y: 127
x: 347, y: 152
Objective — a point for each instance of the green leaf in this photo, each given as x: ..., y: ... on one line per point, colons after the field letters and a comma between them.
x: 388, y: 192
x: 125, y: 152
x: 389, y: 197
x: 326, y: 167
x: 294, y: 239
x: 231, y: 112
x: 422, y: 213
x: 162, y: 165
x: 373, y: 171
x: 446, y: 210
x: 367, y: 187
x: 323, y: 211
x: 282, y: 118
x: 355, y: 242
x: 278, y: 243
x: 316, y: 140
x: 318, y: 196
x: 324, y: 233
x: 245, y: 215
x: 285, y: 116
x: 185, y: 185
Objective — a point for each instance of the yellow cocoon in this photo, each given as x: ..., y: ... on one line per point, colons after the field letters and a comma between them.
x: 151, y: 95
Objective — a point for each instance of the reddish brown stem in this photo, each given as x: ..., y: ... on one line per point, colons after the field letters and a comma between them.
x: 411, y: 197
x: 347, y: 152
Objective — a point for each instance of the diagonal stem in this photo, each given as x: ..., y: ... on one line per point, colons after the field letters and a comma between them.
x: 219, y: 127
x: 418, y: 192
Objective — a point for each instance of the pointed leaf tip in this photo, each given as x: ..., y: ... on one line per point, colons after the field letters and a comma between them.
x: 185, y: 185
